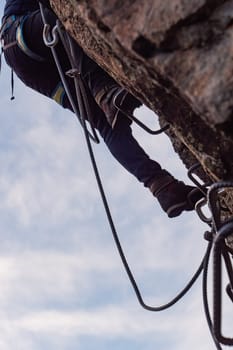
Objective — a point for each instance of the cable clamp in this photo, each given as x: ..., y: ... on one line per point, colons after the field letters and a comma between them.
x: 73, y: 73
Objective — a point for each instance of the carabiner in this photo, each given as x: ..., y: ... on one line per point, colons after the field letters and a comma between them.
x: 50, y: 38
x: 198, y: 207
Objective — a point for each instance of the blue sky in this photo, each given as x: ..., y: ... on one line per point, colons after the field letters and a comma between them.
x: 62, y: 284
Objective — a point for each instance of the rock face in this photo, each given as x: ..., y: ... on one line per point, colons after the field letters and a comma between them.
x: 176, y: 57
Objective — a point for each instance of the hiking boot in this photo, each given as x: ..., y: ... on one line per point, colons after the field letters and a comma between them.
x: 116, y: 101
x: 175, y: 197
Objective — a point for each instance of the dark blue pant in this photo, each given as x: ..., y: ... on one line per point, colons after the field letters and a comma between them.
x: 42, y: 76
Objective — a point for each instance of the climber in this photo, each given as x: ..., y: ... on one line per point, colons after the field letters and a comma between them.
x: 32, y: 61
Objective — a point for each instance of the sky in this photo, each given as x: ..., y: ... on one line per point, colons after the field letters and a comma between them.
x: 62, y: 284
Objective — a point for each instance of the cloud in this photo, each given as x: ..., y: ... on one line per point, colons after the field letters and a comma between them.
x: 61, y: 278
x: 183, y: 330
x: 41, y: 174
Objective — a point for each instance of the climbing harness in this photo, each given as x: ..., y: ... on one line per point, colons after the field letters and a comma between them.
x: 22, y: 44
x: 216, y: 238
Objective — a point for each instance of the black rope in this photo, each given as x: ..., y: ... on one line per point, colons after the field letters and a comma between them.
x: 220, y: 251
x: 220, y: 231
x: 205, y: 295
x: 83, y: 107
x: 119, y: 247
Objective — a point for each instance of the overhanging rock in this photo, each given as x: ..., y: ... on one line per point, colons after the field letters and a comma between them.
x: 177, y: 57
